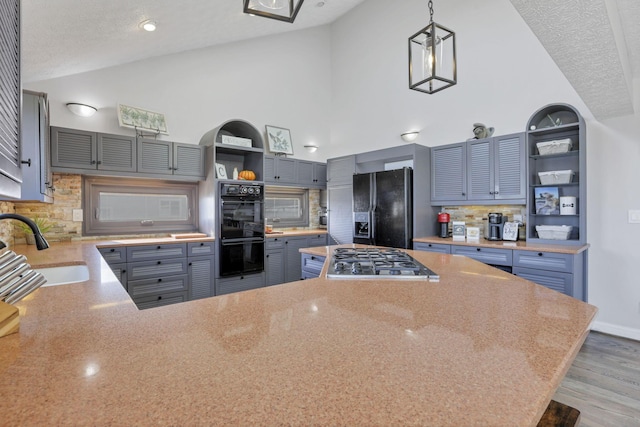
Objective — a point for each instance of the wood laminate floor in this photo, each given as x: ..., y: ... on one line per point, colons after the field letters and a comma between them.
x: 603, y: 382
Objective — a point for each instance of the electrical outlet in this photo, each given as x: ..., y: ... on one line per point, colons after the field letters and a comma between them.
x: 634, y: 217
x: 77, y: 215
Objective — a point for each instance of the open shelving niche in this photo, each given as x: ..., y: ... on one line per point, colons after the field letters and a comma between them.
x: 232, y: 156
x: 557, y: 122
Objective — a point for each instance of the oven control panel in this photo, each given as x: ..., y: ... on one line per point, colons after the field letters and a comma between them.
x: 240, y: 190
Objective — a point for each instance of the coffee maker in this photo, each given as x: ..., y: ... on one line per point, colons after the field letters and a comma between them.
x: 495, y: 226
x: 443, y: 222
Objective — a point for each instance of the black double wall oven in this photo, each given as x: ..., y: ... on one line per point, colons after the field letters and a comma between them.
x: 241, y: 229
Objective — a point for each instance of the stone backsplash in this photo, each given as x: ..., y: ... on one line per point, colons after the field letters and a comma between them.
x: 475, y: 216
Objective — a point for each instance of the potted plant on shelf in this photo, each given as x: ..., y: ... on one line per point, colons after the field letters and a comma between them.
x: 43, y: 224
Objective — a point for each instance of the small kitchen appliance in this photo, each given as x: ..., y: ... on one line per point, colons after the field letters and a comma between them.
x: 377, y: 263
x: 495, y: 226
x: 443, y: 220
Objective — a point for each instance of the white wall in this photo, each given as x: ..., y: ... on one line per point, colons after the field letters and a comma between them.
x: 504, y: 76
x: 345, y: 87
x: 258, y: 80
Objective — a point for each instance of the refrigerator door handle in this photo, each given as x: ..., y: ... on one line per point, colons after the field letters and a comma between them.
x: 372, y: 226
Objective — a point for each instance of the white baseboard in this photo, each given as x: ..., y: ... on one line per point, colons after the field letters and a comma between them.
x: 621, y: 331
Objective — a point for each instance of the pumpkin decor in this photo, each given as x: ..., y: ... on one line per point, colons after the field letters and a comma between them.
x: 247, y: 175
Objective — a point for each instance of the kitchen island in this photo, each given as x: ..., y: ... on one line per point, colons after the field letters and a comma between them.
x: 479, y: 347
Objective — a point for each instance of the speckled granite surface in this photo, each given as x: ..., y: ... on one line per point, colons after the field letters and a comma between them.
x: 520, y: 244
x: 481, y: 347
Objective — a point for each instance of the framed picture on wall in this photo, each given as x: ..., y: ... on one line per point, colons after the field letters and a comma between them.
x: 279, y: 140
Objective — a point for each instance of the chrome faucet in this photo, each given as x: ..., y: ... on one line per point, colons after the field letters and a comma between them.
x: 41, y: 242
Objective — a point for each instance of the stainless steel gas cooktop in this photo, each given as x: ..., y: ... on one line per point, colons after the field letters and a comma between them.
x: 377, y: 263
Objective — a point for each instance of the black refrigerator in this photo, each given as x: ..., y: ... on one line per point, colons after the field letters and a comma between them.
x: 383, y: 208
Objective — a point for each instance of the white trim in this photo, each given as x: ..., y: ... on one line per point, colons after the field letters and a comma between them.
x: 621, y: 331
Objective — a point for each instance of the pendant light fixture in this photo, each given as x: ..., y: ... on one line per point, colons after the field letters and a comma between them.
x: 282, y: 10
x: 432, y: 57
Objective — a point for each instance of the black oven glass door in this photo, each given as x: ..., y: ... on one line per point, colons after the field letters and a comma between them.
x: 241, y: 257
x: 241, y: 218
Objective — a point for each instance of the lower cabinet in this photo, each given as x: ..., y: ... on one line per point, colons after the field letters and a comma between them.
x: 156, y: 275
x: 558, y: 271
x: 283, y: 262
x: 228, y: 285
x: 311, y: 265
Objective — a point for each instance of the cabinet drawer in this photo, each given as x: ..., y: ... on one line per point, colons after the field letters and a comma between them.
x: 312, y: 264
x: 319, y: 240
x: 158, y: 285
x: 159, y: 268
x: 561, y: 282
x: 200, y: 248
x: 237, y: 284
x: 432, y: 247
x: 274, y: 243
x: 114, y: 255
x: 152, y: 252
x: 486, y: 255
x: 543, y: 260
x: 160, y: 300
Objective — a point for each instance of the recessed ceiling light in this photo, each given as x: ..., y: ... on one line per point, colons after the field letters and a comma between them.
x: 148, y: 25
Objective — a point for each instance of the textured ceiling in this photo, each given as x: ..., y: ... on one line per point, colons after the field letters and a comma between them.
x: 595, y: 43
x: 63, y: 37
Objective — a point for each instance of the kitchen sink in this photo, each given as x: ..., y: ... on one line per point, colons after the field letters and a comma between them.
x: 64, y: 274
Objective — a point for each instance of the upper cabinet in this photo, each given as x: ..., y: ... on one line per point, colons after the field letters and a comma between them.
x: 312, y: 174
x: 482, y: 171
x: 293, y: 172
x: 10, y: 171
x: 37, y: 178
x: 95, y: 153
x: 557, y: 194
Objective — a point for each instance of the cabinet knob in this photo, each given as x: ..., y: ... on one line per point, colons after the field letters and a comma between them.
x: 99, y: 162
x: 190, y: 264
x: 267, y: 256
x: 478, y: 249
x: 497, y: 192
x: 159, y: 262
x: 312, y: 257
x: 159, y: 297
x: 159, y: 280
x: 112, y: 250
x: 93, y: 162
x: 201, y: 244
x: 430, y: 245
x: 464, y: 194
x: 540, y: 254
x: 159, y: 247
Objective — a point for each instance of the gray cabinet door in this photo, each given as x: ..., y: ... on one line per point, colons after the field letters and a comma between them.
x: 292, y: 248
x: 320, y: 174
x: 311, y: 265
x: 159, y: 300
x: 155, y: 156
x: 340, y: 214
x: 286, y: 170
x: 153, y: 252
x: 448, y: 169
x: 561, y: 282
x: 37, y: 179
x: 114, y: 255
x: 188, y: 160
x: 510, y: 167
x: 156, y: 269
x: 157, y: 285
x: 274, y: 267
x: 340, y: 171
x: 269, y: 169
x: 480, y: 172
x: 432, y: 247
x: 551, y: 261
x: 72, y: 148
x: 317, y: 240
x: 201, y: 281
x: 305, y: 173
x: 116, y: 153
x: 485, y: 255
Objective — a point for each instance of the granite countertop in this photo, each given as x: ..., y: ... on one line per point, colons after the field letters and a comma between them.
x: 480, y: 347
x: 289, y: 233
x: 503, y: 244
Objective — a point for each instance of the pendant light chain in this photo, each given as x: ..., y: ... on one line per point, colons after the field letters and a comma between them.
x: 430, y: 11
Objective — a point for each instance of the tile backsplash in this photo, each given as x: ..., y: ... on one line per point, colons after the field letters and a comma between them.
x: 474, y: 216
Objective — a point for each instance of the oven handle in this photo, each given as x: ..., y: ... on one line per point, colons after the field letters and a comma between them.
x: 228, y: 242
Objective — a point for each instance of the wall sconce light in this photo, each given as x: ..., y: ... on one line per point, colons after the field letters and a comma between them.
x: 410, y: 136
x: 148, y: 25
x: 282, y: 10
x: 82, y: 110
x: 432, y: 58
x: 311, y: 148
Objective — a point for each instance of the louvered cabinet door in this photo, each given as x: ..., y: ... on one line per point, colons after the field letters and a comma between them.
x: 188, y: 160
x: 155, y: 156
x: 480, y: 184
x: 116, y: 153
x: 72, y: 148
x: 510, y: 170
x: 448, y: 173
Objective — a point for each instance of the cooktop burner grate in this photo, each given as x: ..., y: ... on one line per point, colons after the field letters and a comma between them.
x: 377, y: 263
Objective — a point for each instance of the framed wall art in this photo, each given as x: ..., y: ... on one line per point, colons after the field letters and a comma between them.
x: 279, y: 140
x: 139, y: 119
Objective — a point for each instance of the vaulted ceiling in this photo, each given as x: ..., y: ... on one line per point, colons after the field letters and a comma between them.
x: 595, y: 43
